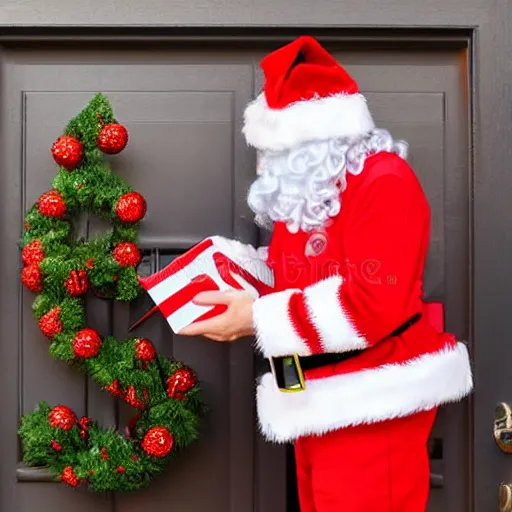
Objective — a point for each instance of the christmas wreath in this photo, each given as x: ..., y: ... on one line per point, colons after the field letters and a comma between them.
x: 60, y: 270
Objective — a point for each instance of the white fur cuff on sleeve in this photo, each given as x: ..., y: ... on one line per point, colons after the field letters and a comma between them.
x: 275, y: 333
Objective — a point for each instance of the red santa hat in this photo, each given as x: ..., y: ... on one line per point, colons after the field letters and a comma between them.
x: 307, y: 96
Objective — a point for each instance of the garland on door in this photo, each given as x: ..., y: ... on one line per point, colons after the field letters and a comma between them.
x: 60, y: 270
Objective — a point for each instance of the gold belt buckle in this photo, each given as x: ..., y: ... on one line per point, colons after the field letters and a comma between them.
x: 288, y: 373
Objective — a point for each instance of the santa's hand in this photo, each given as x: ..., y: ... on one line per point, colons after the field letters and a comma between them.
x: 236, y: 322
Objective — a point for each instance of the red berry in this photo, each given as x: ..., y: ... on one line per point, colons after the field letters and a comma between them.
x: 52, y: 204
x: 120, y: 469
x: 131, y: 207
x: 32, y: 253
x: 77, y: 283
x: 104, y: 454
x: 158, y: 442
x: 131, y: 398
x: 87, y: 343
x: 31, y: 278
x: 115, y: 389
x: 56, y: 446
x: 68, y: 477
x: 67, y: 152
x: 61, y: 416
x: 127, y: 254
x: 50, y: 323
x: 84, y: 426
x: 112, y: 138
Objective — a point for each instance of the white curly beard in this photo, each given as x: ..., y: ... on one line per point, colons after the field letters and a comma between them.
x: 302, y: 186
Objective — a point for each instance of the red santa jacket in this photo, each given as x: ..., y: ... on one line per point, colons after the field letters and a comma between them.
x: 349, y: 287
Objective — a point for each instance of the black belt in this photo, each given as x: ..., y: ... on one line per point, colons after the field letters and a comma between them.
x: 320, y: 360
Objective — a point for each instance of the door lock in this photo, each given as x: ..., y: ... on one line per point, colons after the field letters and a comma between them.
x: 503, y: 428
x: 505, y: 497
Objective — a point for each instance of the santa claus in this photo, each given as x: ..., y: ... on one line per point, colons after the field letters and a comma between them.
x: 355, y: 370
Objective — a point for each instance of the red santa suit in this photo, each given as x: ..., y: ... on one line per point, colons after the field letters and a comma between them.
x: 360, y: 425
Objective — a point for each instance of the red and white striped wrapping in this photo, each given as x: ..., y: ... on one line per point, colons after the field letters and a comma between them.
x: 216, y: 263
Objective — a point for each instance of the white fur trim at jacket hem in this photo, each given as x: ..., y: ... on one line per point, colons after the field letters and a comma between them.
x: 340, y: 115
x: 336, y: 330
x: 369, y: 396
x: 275, y: 334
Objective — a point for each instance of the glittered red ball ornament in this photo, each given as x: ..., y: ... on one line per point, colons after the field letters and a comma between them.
x: 127, y: 254
x: 68, y: 477
x: 87, y: 343
x: 180, y: 382
x: 61, y: 416
x: 77, y: 283
x: 52, y: 204
x: 144, y: 350
x: 67, y: 152
x: 50, y: 323
x: 131, y: 207
x: 31, y: 278
x: 158, y: 442
x: 32, y: 253
x: 112, y: 138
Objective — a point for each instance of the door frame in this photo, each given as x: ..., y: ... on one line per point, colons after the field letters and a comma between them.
x: 489, y: 156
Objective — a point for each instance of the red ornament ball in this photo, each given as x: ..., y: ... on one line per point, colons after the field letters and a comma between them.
x: 120, y: 469
x: 131, y: 207
x: 68, y: 477
x: 62, y: 417
x: 158, y: 442
x: 31, y: 278
x: 180, y: 382
x: 87, y: 343
x: 144, y: 350
x: 52, y: 204
x: 112, y: 138
x: 67, y: 152
x: 50, y: 323
x: 127, y: 254
x: 77, y: 283
x: 32, y: 253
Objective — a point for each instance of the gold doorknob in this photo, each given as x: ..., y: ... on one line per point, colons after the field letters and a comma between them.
x: 503, y: 427
x: 505, y: 497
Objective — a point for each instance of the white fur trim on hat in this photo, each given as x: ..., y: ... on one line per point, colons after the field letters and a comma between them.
x: 340, y: 115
